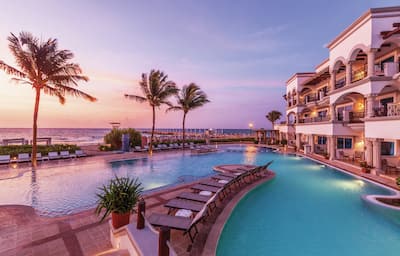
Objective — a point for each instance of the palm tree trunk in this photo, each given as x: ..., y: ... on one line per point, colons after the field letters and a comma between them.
x: 152, y: 131
x: 34, y: 136
x: 183, y: 130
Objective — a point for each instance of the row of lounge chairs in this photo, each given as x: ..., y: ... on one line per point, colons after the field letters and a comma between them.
x: 160, y: 147
x: 26, y: 157
x: 189, y: 208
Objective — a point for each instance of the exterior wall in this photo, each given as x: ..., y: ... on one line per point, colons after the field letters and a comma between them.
x: 382, y: 22
x: 373, y: 129
x: 359, y: 36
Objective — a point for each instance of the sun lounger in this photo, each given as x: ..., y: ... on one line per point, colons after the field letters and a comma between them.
x: 65, y: 154
x: 23, y: 157
x: 5, y: 159
x: 79, y: 153
x: 187, y: 225
x: 53, y: 155
x: 212, y: 183
x: 193, y: 197
x: 184, y: 204
x: 200, y: 187
x: 139, y: 149
x: 39, y: 157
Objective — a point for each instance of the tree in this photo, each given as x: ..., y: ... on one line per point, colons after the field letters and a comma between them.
x: 273, y: 116
x: 156, y: 89
x: 46, y: 69
x: 189, y: 98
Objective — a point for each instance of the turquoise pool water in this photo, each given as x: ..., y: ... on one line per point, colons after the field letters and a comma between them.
x: 69, y: 189
x: 308, y: 210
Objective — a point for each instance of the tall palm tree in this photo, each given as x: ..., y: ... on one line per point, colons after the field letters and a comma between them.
x: 190, y: 98
x: 156, y: 89
x: 273, y: 116
x: 46, y: 69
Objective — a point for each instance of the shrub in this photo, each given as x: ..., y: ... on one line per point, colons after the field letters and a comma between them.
x: 398, y: 181
x: 119, y: 196
x: 14, y: 150
x: 114, y: 138
x: 284, y: 142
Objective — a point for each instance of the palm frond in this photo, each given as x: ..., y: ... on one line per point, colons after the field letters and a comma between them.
x: 139, y: 99
x: 11, y: 70
x: 173, y: 108
x: 74, y: 92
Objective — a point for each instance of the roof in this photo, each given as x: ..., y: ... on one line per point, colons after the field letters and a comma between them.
x: 362, y: 18
x: 299, y: 74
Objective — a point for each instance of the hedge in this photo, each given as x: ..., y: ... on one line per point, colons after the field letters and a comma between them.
x: 14, y: 150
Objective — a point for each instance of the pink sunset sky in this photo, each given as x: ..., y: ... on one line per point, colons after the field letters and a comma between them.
x: 241, y: 58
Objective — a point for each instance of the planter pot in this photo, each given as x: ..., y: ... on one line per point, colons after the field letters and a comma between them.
x: 120, y: 219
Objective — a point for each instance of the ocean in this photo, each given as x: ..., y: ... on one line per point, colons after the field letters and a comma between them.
x: 90, y: 136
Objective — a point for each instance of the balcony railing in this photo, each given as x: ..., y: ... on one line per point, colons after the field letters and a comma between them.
x: 355, y: 117
x: 393, y: 109
x: 340, y: 83
x: 358, y: 74
x: 314, y: 119
x: 387, y: 69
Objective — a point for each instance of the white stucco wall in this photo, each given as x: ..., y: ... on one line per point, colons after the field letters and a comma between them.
x: 326, y: 129
x: 385, y: 129
x: 382, y: 24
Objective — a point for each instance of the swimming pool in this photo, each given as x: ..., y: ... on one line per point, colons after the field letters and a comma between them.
x: 308, y: 209
x: 69, y: 189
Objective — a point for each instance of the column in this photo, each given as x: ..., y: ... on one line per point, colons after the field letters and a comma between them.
x: 333, y: 79
x: 332, y: 112
x: 298, y: 141
x: 332, y: 147
x: 348, y: 72
x: 311, y: 142
x: 368, y: 153
x: 371, y: 62
x: 376, y: 155
x: 370, y: 105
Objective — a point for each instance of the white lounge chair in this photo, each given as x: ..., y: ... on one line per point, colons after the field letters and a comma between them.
x: 5, y: 159
x: 23, y: 157
x: 80, y: 153
x: 53, y: 155
x: 40, y: 157
x: 65, y: 154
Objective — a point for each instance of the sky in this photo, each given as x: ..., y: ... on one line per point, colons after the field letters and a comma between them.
x: 239, y: 52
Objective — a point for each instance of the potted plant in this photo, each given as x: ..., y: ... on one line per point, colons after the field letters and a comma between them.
x: 119, y: 198
x: 398, y: 181
x: 365, y: 167
x: 326, y: 156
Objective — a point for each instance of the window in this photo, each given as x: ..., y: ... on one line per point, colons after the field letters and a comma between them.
x: 321, y: 140
x: 322, y: 113
x: 344, y: 143
x: 387, y: 148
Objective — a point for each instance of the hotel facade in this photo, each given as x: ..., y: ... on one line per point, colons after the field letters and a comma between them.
x: 348, y: 109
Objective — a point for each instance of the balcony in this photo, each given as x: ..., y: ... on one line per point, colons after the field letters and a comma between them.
x: 340, y: 83
x: 356, y: 117
x: 392, y: 109
x: 358, y: 74
x: 387, y: 69
x: 314, y: 119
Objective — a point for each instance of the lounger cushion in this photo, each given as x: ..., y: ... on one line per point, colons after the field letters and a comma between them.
x: 205, y: 193
x: 184, y: 213
x: 175, y: 222
x: 223, y: 181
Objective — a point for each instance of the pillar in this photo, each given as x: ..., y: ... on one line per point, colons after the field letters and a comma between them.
x: 376, y: 154
x: 298, y: 141
x: 333, y: 79
x: 370, y: 105
x: 332, y: 147
x: 332, y: 112
x: 163, y: 238
x: 348, y: 72
x: 311, y: 142
x: 371, y: 62
x: 140, y: 214
x: 368, y: 153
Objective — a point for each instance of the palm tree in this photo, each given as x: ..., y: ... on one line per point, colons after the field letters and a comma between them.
x: 46, y: 69
x: 190, y: 98
x: 156, y: 89
x: 273, y: 116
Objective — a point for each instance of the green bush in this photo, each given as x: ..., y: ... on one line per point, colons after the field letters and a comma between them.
x: 398, y: 181
x: 14, y: 150
x: 114, y: 138
x: 284, y: 142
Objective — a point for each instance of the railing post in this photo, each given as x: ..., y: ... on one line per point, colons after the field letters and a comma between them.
x: 163, y: 238
x: 140, y: 214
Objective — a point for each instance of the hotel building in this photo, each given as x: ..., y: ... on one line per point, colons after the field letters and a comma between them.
x: 348, y: 109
